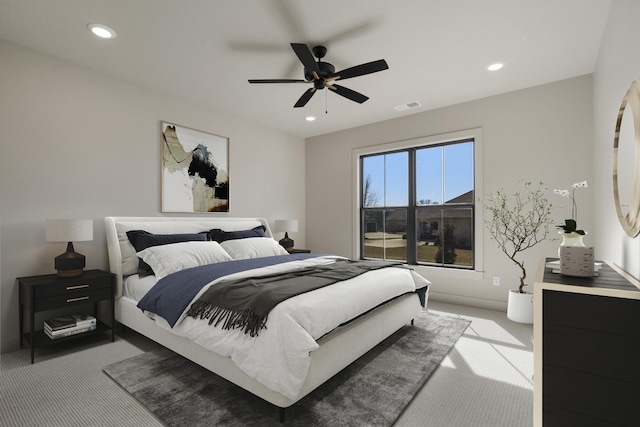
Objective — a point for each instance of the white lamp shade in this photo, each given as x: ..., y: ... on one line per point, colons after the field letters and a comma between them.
x: 69, y: 230
x: 286, y: 225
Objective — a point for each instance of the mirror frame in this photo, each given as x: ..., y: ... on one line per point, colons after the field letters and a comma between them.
x: 631, y: 220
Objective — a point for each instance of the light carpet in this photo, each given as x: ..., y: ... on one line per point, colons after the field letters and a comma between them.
x: 372, y: 391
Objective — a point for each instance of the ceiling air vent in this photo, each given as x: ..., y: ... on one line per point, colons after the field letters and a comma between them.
x: 408, y: 106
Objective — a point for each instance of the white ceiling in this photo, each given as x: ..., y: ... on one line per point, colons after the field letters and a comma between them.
x: 206, y: 50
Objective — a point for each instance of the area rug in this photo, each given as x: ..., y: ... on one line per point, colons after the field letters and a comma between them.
x: 372, y: 391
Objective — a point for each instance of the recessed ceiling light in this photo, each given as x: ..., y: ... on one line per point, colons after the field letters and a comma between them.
x: 102, y: 31
x: 310, y: 118
x: 495, y: 66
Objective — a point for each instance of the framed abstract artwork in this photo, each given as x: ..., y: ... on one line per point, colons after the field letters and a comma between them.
x: 195, y: 170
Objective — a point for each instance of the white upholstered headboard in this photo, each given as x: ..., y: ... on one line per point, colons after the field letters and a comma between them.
x: 122, y: 256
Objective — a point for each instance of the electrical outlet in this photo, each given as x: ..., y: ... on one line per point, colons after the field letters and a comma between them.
x: 496, y: 281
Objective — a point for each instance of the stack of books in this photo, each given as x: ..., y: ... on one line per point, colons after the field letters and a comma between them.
x: 69, y: 325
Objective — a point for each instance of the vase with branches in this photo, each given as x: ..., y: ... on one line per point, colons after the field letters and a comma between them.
x: 519, y: 221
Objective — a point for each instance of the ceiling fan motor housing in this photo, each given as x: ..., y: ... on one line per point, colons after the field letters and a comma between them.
x: 326, y: 70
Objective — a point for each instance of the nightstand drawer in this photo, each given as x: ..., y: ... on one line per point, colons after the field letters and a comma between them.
x: 67, y: 287
x: 72, y: 298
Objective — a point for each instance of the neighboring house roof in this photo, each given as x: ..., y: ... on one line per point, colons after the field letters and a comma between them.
x: 463, y: 198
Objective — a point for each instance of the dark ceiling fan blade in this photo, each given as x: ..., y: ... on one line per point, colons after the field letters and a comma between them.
x: 305, y: 56
x: 277, y: 81
x: 348, y: 93
x: 362, y: 69
x: 305, y: 97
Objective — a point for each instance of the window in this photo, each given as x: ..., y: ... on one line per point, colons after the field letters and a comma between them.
x: 417, y: 204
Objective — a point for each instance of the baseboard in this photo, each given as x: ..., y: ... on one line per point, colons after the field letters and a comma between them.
x: 468, y: 301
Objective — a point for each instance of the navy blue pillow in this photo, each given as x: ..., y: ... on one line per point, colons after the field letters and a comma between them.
x: 220, y: 236
x: 141, y: 240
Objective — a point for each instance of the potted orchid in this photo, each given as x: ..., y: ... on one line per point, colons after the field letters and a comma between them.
x: 571, y: 236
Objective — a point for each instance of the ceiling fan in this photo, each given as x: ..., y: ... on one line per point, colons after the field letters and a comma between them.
x: 322, y: 74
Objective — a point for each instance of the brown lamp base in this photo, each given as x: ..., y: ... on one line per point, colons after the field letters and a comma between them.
x: 286, y: 242
x: 70, y: 273
x: 70, y: 263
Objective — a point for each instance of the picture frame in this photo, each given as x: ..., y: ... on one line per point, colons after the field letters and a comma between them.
x: 194, y: 169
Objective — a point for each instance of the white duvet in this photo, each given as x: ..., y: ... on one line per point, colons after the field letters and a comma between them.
x: 279, y: 356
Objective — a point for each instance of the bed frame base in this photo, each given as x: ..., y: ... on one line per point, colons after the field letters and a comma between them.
x: 337, y: 350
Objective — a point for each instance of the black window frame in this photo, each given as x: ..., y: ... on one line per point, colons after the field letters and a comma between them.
x: 412, y: 207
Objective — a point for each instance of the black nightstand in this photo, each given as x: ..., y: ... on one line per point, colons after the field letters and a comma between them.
x: 299, y: 251
x: 49, y: 292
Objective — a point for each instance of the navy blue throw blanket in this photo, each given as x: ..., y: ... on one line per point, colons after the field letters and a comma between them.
x: 173, y: 293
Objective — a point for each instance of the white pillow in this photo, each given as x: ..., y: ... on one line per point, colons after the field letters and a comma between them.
x: 167, y: 259
x: 253, y: 247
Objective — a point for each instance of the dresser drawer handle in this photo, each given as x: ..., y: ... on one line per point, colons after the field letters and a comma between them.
x: 71, y: 288
x: 77, y: 299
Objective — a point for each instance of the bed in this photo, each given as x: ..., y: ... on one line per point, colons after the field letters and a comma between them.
x: 323, y: 353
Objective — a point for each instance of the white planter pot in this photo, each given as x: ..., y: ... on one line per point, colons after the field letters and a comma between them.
x: 520, y: 306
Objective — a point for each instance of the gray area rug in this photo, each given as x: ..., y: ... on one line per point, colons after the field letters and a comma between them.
x: 372, y: 391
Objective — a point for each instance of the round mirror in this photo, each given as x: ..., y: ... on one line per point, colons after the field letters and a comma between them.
x: 626, y: 161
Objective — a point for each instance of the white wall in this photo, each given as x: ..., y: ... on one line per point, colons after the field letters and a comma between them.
x: 541, y: 133
x: 61, y: 122
x: 79, y: 144
x: 618, y: 65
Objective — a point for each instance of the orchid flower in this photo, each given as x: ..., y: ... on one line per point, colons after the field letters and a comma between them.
x: 571, y: 225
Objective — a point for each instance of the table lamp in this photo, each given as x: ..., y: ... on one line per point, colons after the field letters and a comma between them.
x: 70, y: 263
x: 286, y: 225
